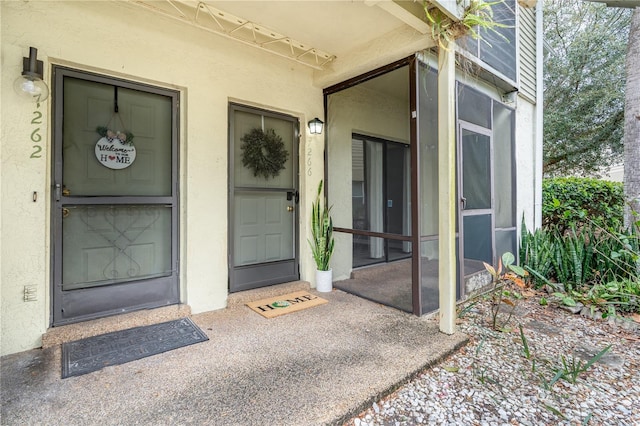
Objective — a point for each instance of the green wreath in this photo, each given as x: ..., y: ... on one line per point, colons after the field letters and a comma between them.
x: 263, y: 152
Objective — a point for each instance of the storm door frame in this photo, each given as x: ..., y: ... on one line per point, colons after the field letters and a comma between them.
x: 480, y: 130
x: 414, y: 238
x: 109, y: 296
x: 288, y: 269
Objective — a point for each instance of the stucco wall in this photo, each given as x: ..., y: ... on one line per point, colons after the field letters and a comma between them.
x: 209, y: 71
x: 125, y: 41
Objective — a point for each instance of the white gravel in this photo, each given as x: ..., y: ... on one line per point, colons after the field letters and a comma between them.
x: 491, y: 382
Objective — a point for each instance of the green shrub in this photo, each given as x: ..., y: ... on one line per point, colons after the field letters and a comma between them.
x: 574, y: 202
x: 595, y: 266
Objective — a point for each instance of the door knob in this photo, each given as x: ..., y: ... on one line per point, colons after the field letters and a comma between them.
x: 289, y: 208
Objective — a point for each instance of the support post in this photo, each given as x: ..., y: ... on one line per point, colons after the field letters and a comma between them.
x: 447, y: 187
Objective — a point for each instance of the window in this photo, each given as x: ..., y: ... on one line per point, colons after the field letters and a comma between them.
x: 497, y: 47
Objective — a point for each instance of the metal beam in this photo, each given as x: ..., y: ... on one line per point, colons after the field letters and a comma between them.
x: 206, y: 17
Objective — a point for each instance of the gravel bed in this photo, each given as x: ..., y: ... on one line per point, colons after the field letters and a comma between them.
x: 491, y: 381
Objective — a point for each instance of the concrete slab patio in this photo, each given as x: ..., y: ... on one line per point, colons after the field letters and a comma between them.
x: 318, y: 366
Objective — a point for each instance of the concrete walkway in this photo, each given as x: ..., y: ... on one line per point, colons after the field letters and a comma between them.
x: 321, y: 365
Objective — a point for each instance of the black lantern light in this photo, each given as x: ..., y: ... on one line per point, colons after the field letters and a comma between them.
x: 30, y: 85
x: 315, y: 126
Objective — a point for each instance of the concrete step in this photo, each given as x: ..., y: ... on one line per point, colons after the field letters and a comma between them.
x: 242, y: 297
x: 68, y: 333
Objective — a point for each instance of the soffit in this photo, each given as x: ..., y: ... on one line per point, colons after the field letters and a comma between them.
x: 314, y: 33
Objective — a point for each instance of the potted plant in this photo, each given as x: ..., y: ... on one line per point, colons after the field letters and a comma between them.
x: 322, y: 242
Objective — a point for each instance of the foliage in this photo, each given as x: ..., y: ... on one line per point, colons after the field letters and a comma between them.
x: 322, y: 244
x: 263, y: 152
x: 477, y: 15
x: 569, y: 368
x: 125, y: 137
x: 573, y: 202
x: 536, y: 250
x: 584, y: 78
x: 622, y: 295
x: 525, y: 345
x: 572, y: 367
x: 573, y: 258
x: 595, y: 266
x: 631, y: 135
x: 503, y: 278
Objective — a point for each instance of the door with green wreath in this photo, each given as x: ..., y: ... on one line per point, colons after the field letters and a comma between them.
x: 263, y: 198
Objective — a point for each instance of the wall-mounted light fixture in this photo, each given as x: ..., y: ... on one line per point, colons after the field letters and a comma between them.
x: 315, y: 126
x: 30, y: 85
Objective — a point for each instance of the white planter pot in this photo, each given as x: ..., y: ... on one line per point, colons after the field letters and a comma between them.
x: 324, y: 282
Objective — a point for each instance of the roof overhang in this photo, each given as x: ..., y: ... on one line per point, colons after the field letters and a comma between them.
x: 338, y: 39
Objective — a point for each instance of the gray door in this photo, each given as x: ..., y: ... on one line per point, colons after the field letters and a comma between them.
x: 476, y: 191
x: 115, y: 205
x: 263, y: 211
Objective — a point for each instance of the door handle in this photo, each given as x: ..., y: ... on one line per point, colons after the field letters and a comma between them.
x: 290, y: 208
x: 464, y: 202
x: 293, y: 195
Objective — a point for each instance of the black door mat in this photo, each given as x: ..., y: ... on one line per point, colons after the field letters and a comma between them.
x: 94, y: 353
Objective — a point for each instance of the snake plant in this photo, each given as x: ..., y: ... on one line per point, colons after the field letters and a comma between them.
x: 322, y: 243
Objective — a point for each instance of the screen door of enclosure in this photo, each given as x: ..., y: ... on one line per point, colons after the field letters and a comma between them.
x: 476, y: 189
x: 115, y: 201
x: 263, y: 201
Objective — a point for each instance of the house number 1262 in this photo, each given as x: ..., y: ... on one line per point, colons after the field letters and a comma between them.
x: 36, y: 137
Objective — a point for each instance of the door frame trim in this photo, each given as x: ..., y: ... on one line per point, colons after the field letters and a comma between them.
x: 57, y: 108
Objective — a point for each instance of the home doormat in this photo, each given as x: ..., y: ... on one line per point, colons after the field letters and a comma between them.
x: 280, y: 305
x: 94, y: 353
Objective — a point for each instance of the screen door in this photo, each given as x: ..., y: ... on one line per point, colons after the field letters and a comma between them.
x: 263, y: 210
x: 476, y: 189
x: 115, y: 205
